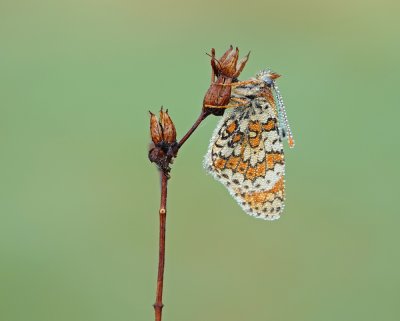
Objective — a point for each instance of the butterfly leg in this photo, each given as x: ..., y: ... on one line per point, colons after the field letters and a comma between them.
x: 241, y: 83
x: 246, y: 82
x: 235, y: 102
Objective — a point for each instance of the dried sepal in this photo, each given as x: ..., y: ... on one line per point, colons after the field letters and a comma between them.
x: 226, y: 53
x: 228, y: 65
x: 240, y: 65
x: 168, y: 127
x: 155, y: 129
x: 214, y: 66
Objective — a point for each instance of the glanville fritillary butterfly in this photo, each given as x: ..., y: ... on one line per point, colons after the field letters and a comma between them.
x: 246, y: 151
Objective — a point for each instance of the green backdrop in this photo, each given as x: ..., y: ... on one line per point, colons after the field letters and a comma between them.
x: 79, y: 199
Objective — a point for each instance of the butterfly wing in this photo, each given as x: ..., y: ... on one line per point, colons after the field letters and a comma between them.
x: 246, y: 155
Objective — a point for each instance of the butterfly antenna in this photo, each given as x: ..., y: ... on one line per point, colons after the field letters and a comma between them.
x: 282, y: 110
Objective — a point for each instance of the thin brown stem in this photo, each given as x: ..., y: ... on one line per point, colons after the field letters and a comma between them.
x: 158, y: 305
x: 202, y: 116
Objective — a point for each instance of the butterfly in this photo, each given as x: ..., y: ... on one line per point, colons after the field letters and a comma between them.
x: 246, y: 150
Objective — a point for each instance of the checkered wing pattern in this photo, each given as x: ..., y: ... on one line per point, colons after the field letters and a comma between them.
x: 246, y: 155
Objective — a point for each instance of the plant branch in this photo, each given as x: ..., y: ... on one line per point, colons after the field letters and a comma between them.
x: 158, y: 305
x: 202, y: 116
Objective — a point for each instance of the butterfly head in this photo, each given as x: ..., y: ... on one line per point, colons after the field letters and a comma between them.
x: 267, y: 76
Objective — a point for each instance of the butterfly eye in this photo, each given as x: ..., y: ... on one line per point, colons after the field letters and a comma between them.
x: 268, y: 80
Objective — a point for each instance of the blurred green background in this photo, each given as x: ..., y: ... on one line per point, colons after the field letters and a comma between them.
x: 79, y: 199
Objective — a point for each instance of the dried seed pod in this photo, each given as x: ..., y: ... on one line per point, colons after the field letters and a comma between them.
x: 164, y: 147
x: 225, y: 72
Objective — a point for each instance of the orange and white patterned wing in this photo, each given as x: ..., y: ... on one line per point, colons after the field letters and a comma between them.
x: 246, y: 155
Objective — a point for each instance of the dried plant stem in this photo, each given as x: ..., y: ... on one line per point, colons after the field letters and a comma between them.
x: 202, y: 116
x: 158, y: 305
